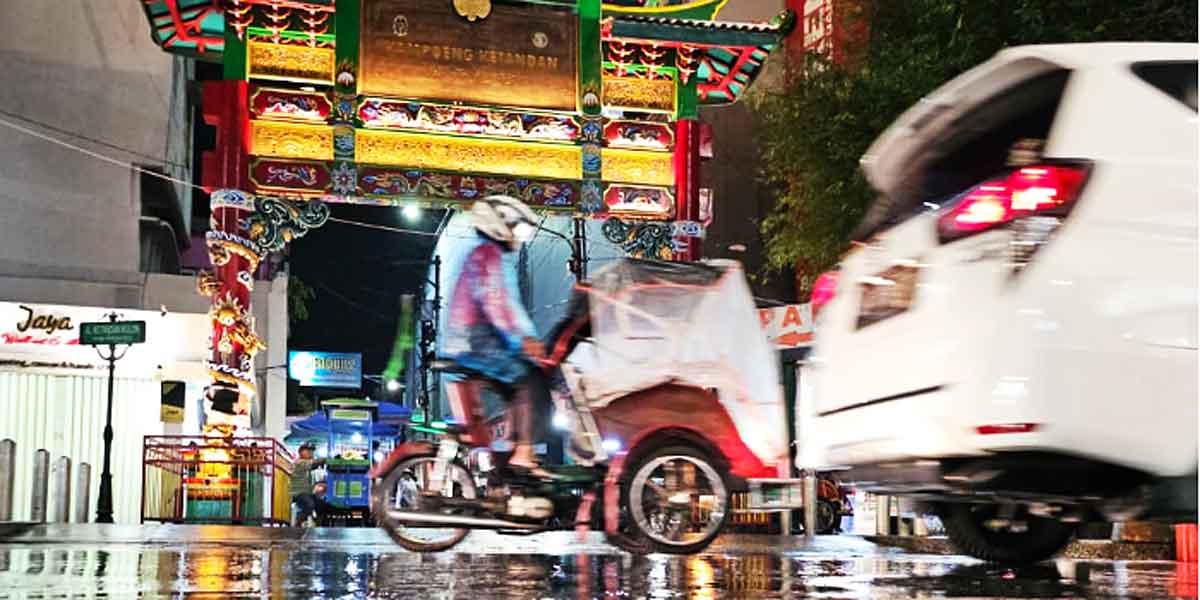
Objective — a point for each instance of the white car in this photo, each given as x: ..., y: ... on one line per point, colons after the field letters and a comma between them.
x: 1014, y: 339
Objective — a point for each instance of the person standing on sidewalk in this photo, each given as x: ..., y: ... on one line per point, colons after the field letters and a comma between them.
x: 304, y: 502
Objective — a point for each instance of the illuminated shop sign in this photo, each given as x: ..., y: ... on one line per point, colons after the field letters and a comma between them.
x: 326, y: 369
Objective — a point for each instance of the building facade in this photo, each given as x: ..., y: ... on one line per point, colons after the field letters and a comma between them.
x: 95, y: 156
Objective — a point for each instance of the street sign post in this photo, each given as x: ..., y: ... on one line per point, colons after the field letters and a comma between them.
x: 116, y: 332
x: 111, y: 333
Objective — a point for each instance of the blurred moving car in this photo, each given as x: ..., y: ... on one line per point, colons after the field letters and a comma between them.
x: 1015, y: 339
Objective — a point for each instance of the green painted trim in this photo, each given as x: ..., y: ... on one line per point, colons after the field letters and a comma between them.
x: 704, y: 10
x: 291, y: 35
x: 687, y: 101
x: 636, y: 68
x: 590, y: 55
x: 693, y: 33
x: 234, y: 55
x: 347, y: 25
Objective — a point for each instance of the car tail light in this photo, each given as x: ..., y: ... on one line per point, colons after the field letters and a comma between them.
x: 1032, y: 200
x: 824, y: 289
x: 1006, y: 428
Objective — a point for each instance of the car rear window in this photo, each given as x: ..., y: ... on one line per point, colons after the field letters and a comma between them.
x: 1175, y: 79
x: 976, y: 146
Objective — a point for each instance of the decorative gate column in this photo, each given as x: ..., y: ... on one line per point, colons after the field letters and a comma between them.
x: 687, y: 186
x: 244, y: 230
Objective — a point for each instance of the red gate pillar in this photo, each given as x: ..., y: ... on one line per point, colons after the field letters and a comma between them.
x: 687, y: 185
x: 234, y: 256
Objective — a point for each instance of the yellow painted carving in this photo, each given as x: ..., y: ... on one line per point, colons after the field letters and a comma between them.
x: 637, y: 166
x: 640, y: 94
x: 526, y: 159
x: 289, y: 62
x: 291, y: 140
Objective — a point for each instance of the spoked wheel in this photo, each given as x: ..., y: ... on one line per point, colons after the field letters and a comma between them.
x: 408, y: 487
x: 827, y: 517
x: 1004, y: 533
x: 678, y: 502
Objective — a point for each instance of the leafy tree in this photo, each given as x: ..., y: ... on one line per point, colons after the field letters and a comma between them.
x: 300, y: 295
x: 815, y: 126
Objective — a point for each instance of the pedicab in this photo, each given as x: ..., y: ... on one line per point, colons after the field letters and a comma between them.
x: 673, y: 397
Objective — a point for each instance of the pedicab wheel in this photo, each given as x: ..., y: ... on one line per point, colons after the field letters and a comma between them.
x: 827, y: 517
x: 984, y: 531
x: 397, y: 492
x: 678, y: 501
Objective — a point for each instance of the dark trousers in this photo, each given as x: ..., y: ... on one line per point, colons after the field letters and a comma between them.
x: 306, y: 505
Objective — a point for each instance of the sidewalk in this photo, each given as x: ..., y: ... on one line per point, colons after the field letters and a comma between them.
x: 153, y: 534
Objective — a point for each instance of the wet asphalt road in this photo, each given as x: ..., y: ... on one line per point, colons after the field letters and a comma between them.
x: 556, y: 566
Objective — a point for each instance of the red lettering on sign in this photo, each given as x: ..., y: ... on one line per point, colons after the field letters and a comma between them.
x: 14, y: 338
x: 792, y: 316
x: 765, y: 315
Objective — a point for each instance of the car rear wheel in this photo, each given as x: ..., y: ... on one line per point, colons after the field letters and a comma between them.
x: 1004, y: 533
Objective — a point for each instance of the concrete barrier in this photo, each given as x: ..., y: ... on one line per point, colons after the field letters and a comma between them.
x: 41, y: 475
x: 83, y: 488
x: 8, y: 474
x: 60, y: 489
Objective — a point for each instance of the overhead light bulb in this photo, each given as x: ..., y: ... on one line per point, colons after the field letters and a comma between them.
x: 393, y: 385
x: 412, y: 212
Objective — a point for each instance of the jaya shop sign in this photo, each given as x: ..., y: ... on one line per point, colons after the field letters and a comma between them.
x: 50, y: 333
x: 38, y: 325
x: 788, y: 326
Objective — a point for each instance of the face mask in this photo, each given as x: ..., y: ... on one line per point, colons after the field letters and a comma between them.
x: 523, y: 232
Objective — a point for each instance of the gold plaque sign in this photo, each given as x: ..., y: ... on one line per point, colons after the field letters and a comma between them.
x: 501, y: 157
x: 523, y: 56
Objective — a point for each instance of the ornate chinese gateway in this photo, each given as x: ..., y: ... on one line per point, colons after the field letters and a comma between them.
x: 575, y: 107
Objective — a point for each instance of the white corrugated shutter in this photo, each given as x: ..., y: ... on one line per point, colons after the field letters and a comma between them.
x: 65, y: 414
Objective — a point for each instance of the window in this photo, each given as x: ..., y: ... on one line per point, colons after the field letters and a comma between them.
x: 1175, y: 79
x: 975, y: 146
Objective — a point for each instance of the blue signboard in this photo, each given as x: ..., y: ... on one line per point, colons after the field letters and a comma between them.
x: 326, y: 369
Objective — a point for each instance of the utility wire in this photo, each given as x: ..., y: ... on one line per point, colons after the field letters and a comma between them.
x: 91, y: 140
x: 96, y: 155
x: 128, y: 165
x: 383, y: 227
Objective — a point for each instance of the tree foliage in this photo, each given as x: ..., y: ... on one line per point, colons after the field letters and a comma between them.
x: 300, y: 295
x: 815, y: 126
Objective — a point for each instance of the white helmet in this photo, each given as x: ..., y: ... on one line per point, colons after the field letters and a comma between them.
x: 504, y: 219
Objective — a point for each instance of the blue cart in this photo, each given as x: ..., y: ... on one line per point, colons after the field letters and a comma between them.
x: 351, y: 442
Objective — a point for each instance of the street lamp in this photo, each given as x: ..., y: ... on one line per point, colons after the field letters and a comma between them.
x: 411, y: 212
x: 393, y: 385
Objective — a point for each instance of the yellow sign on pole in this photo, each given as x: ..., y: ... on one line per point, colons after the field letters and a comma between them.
x: 171, y: 409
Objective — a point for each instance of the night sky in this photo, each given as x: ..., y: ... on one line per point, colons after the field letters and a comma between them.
x: 358, y: 275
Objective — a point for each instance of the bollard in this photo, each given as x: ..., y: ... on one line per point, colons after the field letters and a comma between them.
x: 8, y: 472
x: 810, y: 503
x: 883, y: 515
x: 41, y: 473
x: 60, y: 487
x: 83, y: 488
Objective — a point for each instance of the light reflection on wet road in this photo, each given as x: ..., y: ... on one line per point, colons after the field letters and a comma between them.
x: 486, y: 567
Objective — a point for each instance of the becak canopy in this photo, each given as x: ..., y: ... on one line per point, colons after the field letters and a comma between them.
x: 693, y: 324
